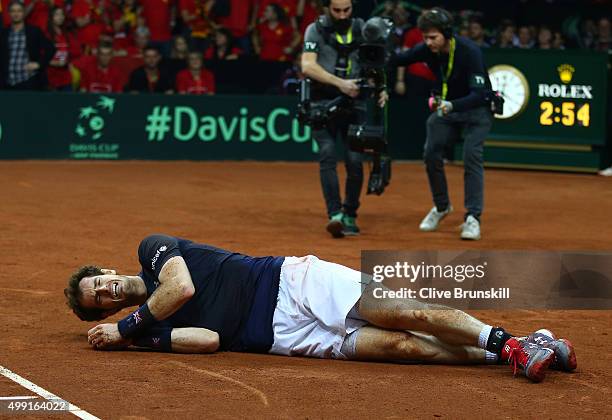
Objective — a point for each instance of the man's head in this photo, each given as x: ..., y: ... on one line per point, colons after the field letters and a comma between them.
x: 524, y: 35
x: 195, y: 61
x: 476, y: 30
x: 105, y: 54
x: 142, y: 37
x: 16, y: 12
x: 94, y: 293
x: 507, y: 31
x: 437, y: 27
x: 151, y: 57
x: 341, y: 12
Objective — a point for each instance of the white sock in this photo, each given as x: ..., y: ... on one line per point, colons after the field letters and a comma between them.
x: 484, y: 336
x: 491, y: 358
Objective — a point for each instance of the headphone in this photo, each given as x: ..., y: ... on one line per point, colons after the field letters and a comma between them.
x: 442, y: 20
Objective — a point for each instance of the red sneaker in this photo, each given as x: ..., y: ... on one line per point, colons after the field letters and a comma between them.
x: 533, y: 358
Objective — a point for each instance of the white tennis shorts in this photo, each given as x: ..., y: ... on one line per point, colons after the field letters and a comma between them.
x: 314, y: 299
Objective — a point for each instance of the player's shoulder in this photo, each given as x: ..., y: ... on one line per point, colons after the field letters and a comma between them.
x: 156, y: 240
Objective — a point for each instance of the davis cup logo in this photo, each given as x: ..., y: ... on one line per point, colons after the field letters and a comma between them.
x: 92, y: 121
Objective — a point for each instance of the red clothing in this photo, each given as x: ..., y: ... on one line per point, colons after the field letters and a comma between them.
x: 157, y: 17
x: 89, y: 35
x: 39, y: 16
x: 95, y: 79
x: 186, y: 83
x: 310, y: 15
x: 411, y: 38
x: 60, y: 76
x: 200, y: 28
x: 239, y: 19
x: 274, y: 41
x: 210, y: 53
x: 289, y: 6
x: 6, y: 19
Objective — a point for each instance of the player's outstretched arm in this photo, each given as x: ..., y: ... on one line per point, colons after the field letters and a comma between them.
x: 194, y: 340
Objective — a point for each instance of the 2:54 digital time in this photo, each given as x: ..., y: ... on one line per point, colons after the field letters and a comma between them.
x: 568, y: 114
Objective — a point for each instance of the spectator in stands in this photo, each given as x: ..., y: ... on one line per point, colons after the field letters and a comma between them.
x: 558, y: 41
x: 288, y: 6
x: 524, y: 40
x: 506, y: 34
x: 25, y: 53
x: 37, y: 12
x: 240, y: 21
x: 385, y: 9
x: 150, y: 78
x: 196, y: 16
x: 603, y: 42
x: 158, y: 16
x: 589, y: 33
x: 223, y: 47
x: 275, y: 39
x: 401, y: 22
x: 135, y: 49
x: 307, y: 12
x: 545, y: 38
x: 476, y: 32
x: 178, y: 56
x: 92, y: 21
x: 195, y: 79
x: 58, y: 72
x: 125, y: 21
x: 101, y: 75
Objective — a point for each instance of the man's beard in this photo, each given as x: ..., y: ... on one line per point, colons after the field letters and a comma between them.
x: 342, y: 25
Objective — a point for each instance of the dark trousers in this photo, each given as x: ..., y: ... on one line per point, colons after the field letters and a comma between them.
x: 473, y: 126
x: 353, y: 161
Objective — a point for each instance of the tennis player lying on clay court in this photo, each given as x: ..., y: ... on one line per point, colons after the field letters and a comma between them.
x: 196, y: 298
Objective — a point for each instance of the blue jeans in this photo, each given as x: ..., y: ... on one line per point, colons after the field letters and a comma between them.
x: 474, y: 126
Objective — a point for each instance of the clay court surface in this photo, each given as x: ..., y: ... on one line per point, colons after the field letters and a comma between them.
x: 57, y: 216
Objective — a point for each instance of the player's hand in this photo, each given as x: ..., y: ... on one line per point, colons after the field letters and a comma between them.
x: 106, y: 337
x: 383, y: 98
x: 349, y: 87
x: 108, y: 271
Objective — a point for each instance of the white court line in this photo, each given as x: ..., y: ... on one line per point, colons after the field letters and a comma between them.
x: 45, y: 394
x: 19, y: 397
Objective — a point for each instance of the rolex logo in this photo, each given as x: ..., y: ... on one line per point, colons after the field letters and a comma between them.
x: 566, y: 72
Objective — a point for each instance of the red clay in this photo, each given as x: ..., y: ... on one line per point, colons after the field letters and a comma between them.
x: 57, y: 216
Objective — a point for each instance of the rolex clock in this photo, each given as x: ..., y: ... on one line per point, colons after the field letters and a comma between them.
x: 513, y: 86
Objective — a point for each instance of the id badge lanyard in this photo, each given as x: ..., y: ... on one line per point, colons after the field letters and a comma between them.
x: 449, y: 69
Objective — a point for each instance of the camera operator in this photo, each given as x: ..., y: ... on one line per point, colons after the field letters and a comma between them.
x: 462, y: 107
x: 331, y: 60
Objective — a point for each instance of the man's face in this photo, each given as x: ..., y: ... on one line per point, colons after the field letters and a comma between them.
x: 104, y: 56
x: 524, y: 35
x: 151, y: 59
x: 434, y: 40
x: 16, y: 12
x: 195, y: 61
x: 106, y: 291
x: 475, y: 30
x: 341, y: 9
